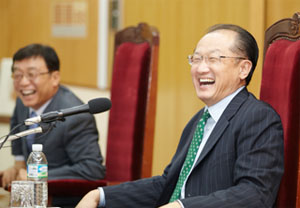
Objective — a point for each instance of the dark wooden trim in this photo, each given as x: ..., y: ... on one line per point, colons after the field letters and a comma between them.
x: 4, y: 119
x: 288, y: 28
x: 151, y: 104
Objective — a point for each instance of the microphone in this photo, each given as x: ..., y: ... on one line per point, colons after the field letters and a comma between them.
x: 40, y: 129
x: 94, y: 106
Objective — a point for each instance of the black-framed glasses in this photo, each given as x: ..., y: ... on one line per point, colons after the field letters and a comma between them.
x: 210, y: 60
x: 31, y: 76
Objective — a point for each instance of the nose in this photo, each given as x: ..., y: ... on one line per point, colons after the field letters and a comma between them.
x: 24, y: 80
x: 202, y: 67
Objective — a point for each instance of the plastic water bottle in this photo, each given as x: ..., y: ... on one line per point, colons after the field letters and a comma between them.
x: 37, y: 171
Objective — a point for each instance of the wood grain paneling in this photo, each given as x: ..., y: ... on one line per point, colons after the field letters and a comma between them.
x: 279, y: 9
x: 181, y: 24
x: 4, y: 119
x: 4, y: 28
x: 29, y: 21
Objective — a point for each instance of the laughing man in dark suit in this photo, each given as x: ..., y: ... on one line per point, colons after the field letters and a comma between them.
x: 239, y: 162
x: 71, y: 148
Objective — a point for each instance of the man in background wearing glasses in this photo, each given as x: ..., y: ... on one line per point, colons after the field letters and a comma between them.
x: 71, y: 147
x: 230, y: 153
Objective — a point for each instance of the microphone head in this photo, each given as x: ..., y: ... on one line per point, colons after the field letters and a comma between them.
x: 99, y: 105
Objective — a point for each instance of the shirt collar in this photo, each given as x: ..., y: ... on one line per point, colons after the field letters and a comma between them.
x: 217, y: 109
x: 41, y: 109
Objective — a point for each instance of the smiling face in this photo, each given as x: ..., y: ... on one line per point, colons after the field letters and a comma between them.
x: 216, y: 79
x: 37, y: 85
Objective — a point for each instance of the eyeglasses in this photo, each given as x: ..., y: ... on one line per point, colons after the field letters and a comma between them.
x: 210, y: 60
x: 31, y: 76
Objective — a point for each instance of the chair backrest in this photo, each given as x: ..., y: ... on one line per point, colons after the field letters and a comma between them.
x: 133, y: 97
x: 280, y: 87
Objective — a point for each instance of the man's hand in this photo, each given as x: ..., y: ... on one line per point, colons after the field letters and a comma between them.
x: 90, y: 200
x: 8, y: 176
x: 22, y: 175
x: 16, y: 172
x: 174, y: 204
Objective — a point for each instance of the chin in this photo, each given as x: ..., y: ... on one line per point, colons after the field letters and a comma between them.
x: 202, y: 98
x: 207, y: 99
x: 203, y: 94
x: 28, y: 103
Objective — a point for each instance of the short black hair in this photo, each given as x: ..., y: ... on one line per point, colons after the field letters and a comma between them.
x: 38, y: 50
x: 245, y: 44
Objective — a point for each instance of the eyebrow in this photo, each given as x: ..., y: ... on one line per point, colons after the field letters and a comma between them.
x: 32, y: 67
x: 211, y: 51
x: 29, y: 68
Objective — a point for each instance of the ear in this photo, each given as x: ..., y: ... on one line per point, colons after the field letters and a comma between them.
x: 55, y: 76
x: 245, y: 67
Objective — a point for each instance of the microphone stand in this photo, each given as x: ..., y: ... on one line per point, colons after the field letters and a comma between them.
x: 22, y: 134
x: 40, y: 129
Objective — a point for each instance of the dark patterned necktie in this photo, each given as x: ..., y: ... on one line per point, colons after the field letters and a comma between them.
x: 30, y: 138
x: 192, y: 152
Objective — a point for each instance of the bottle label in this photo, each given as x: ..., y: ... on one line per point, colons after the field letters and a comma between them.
x: 37, y: 171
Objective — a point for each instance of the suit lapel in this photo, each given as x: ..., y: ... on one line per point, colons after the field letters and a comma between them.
x: 186, y: 146
x: 178, y: 160
x: 52, y: 106
x: 54, y: 102
x: 182, y: 150
x: 223, y: 122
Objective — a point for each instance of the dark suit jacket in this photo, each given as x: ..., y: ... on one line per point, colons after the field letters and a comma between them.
x: 71, y: 148
x: 241, y: 164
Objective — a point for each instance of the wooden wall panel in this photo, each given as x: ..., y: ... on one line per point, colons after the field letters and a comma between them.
x: 279, y: 9
x: 181, y: 24
x: 4, y: 28
x: 29, y: 21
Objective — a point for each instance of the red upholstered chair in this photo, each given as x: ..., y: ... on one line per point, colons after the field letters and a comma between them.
x: 132, y: 116
x: 280, y: 87
x: 133, y: 97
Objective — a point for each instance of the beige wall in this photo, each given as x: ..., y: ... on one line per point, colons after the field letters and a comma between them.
x: 181, y: 24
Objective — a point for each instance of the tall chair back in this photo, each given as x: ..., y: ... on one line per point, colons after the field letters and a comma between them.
x: 280, y: 87
x: 133, y: 96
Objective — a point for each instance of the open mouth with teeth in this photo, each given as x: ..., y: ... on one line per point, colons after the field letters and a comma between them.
x: 206, y: 82
x: 27, y: 92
